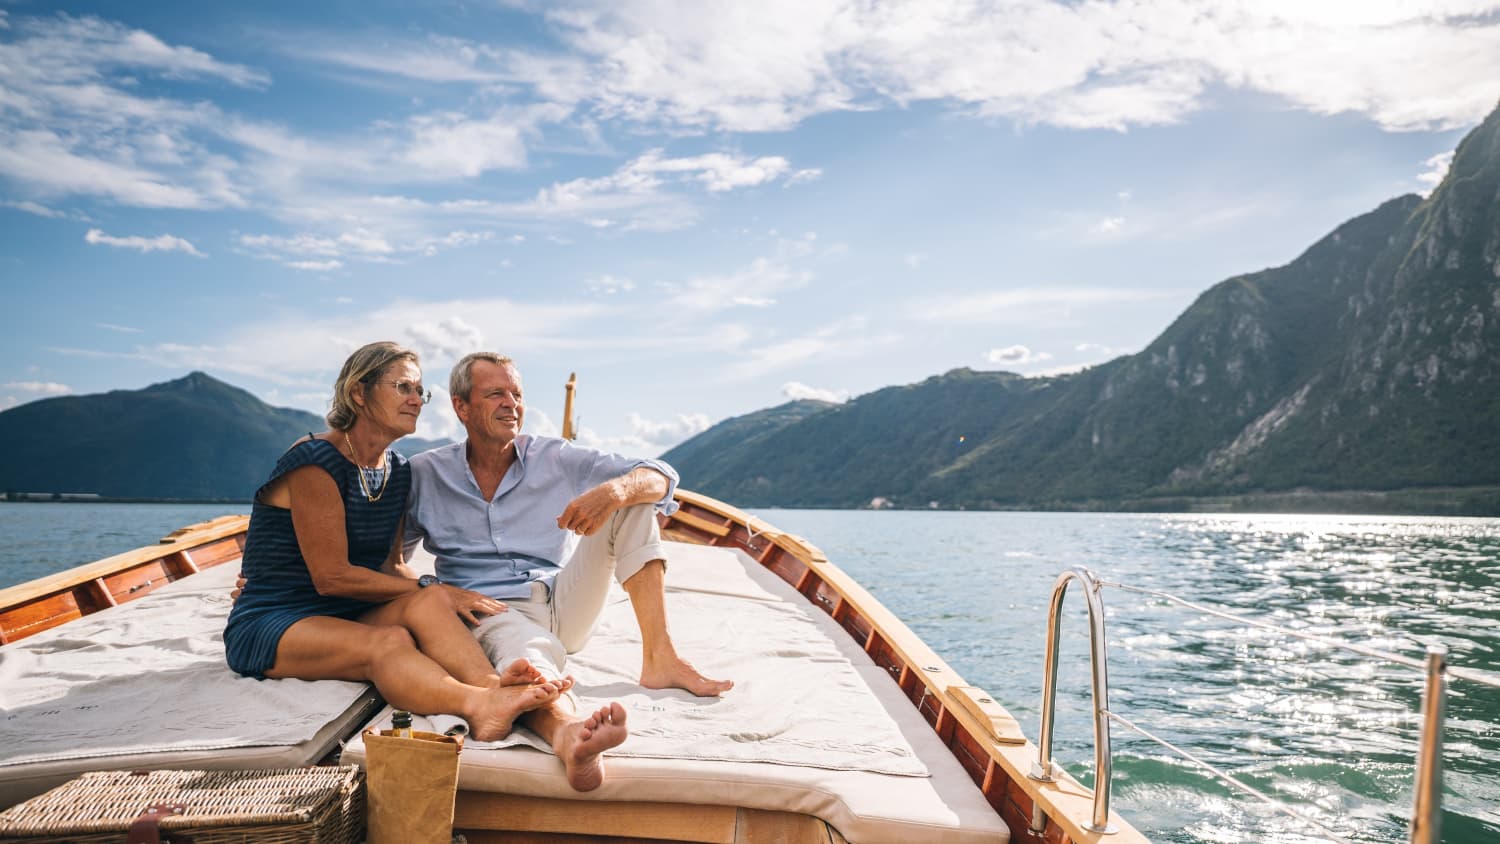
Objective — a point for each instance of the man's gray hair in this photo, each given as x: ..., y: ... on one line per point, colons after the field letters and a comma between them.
x: 461, y: 380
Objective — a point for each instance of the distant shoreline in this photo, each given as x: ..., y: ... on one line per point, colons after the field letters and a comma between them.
x: 1476, y: 501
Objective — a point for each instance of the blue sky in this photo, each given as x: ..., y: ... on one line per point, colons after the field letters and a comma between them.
x: 702, y: 208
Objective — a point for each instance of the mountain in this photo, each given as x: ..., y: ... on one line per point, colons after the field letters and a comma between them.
x: 1371, y: 362
x: 192, y: 438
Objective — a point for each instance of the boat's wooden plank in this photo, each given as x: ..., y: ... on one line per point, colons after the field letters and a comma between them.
x: 665, y: 821
x: 36, y: 616
x: 186, y: 538
x: 999, y: 724
x: 707, y: 526
x: 758, y: 826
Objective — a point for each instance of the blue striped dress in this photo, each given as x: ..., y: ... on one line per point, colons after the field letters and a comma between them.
x: 279, y: 589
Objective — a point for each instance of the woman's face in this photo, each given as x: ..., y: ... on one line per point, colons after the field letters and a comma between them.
x: 395, y: 399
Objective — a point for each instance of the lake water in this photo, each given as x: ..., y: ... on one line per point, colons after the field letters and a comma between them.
x: 1331, y: 732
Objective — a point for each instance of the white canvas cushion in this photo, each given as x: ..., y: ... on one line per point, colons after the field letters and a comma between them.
x: 943, y: 806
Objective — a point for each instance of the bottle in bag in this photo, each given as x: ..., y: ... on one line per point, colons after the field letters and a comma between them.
x: 401, y: 724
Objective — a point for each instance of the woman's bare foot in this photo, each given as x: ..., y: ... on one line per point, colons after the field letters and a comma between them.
x: 520, y: 673
x: 497, y: 709
x: 580, y: 743
x: 674, y: 672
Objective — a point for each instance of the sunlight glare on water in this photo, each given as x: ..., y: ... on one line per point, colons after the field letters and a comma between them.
x: 1330, y: 732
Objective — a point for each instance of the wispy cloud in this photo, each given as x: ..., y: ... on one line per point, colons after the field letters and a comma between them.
x: 46, y: 388
x: 1016, y: 355
x: 32, y: 208
x: 608, y: 285
x: 1024, y: 304
x: 123, y: 329
x: 160, y: 243
x: 316, y: 266
x: 1434, y: 170
x: 754, y: 286
x: 796, y: 390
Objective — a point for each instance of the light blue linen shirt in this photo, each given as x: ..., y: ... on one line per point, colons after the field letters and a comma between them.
x: 498, y: 547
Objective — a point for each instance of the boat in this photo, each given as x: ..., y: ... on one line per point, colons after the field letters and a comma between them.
x: 965, y: 725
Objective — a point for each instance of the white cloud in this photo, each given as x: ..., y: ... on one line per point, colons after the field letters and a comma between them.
x: 1109, y: 225
x: 1097, y: 349
x: 1023, y: 304
x: 754, y: 286
x: 316, y: 266
x: 454, y: 146
x: 1016, y: 355
x: 769, y: 65
x: 646, y: 437
x: 796, y: 390
x: 608, y: 285
x: 671, y: 431
x: 1435, y: 170
x: 161, y: 243
x: 123, y: 329
x: 32, y: 208
x: 46, y: 388
x: 840, y: 339
x: 915, y: 260
x: 436, y: 59
x: 446, y: 340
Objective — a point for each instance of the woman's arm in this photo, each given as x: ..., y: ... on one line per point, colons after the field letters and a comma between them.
x: 318, y: 519
x: 395, y: 562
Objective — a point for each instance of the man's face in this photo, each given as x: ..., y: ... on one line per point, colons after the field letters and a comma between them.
x: 493, y: 410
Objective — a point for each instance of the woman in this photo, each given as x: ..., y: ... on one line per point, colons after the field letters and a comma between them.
x: 326, y: 595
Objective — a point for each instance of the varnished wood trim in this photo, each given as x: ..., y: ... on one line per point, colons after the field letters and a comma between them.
x: 692, y: 520
x: 186, y: 538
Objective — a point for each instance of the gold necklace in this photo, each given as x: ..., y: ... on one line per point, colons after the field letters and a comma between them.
x: 364, y: 485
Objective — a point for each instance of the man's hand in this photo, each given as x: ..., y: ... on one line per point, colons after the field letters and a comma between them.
x: 471, y: 605
x: 239, y: 587
x: 587, y: 513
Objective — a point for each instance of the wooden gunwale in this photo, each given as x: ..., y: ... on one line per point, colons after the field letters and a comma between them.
x: 967, y: 720
x: 29, y: 608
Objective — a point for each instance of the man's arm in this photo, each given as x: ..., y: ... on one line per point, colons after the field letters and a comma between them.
x: 588, y: 512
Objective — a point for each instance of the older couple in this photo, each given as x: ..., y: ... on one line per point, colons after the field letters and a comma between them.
x: 327, y: 594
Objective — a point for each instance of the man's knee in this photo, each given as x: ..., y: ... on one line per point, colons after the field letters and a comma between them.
x: 386, y: 639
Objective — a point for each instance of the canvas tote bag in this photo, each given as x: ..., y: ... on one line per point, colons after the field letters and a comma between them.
x: 412, y: 783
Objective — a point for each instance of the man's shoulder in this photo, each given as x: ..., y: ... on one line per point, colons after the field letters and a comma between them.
x: 435, y: 459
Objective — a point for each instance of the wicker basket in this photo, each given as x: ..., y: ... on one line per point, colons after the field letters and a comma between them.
x: 283, y: 806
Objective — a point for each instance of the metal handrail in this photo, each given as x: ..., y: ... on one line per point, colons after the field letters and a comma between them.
x: 1044, y: 768
x: 1426, y: 818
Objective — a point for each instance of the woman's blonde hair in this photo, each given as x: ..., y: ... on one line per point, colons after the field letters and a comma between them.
x: 360, y: 372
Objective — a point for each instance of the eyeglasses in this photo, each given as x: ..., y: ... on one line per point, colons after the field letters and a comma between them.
x: 407, y: 389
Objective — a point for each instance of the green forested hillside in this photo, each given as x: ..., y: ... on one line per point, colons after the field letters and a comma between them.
x: 192, y: 438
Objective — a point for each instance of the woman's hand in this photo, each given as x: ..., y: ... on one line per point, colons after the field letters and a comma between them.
x: 239, y: 588
x: 470, y: 605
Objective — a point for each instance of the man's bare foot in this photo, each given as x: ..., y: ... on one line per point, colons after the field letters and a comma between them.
x: 674, y: 672
x: 580, y: 743
x: 498, y: 708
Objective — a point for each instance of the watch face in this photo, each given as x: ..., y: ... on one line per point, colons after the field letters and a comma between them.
x: 427, y: 580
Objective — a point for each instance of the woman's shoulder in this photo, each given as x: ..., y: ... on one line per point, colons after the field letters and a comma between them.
x: 311, y: 449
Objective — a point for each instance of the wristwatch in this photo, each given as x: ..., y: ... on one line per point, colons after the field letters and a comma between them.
x: 427, y: 580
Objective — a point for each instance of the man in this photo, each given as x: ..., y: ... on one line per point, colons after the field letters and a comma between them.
x: 499, y: 512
